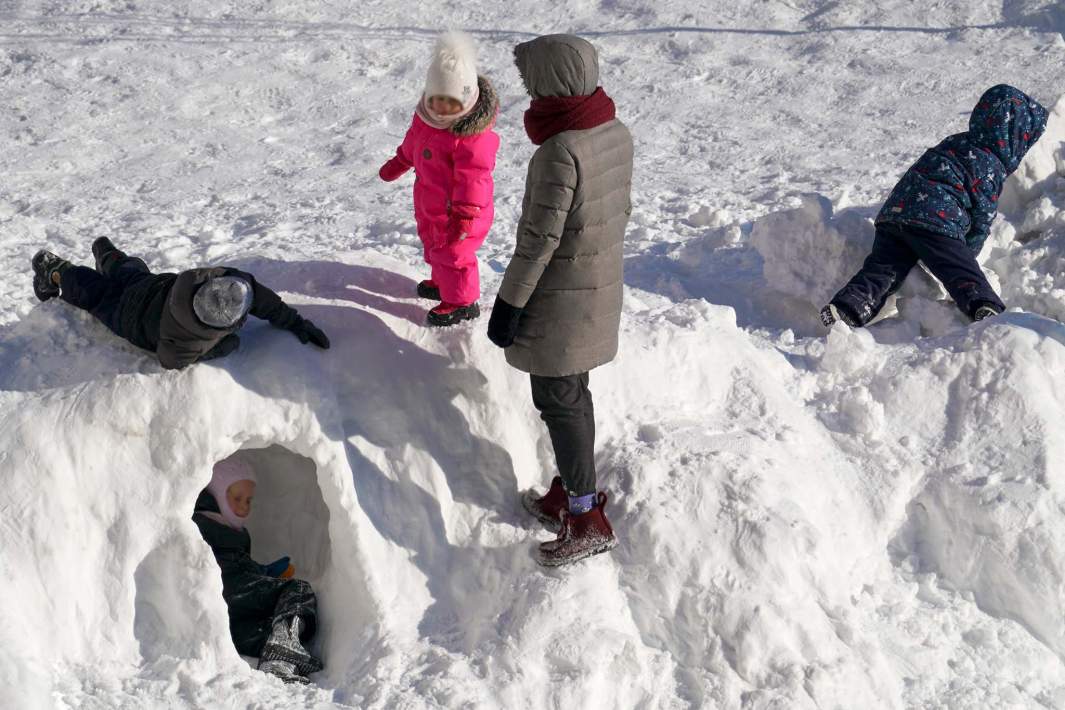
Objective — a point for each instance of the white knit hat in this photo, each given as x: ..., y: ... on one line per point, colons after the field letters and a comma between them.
x: 453, y: 69
x: 222, y: 301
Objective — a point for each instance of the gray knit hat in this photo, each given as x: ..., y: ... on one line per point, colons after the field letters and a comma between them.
x: 222, y: 301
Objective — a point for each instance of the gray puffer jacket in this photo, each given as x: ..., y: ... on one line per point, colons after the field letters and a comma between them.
x: 566, y: 271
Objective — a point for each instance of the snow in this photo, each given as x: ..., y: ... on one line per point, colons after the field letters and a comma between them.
x: 863, y: 518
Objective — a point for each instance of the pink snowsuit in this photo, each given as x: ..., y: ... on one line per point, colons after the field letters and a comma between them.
x: 453, y: 188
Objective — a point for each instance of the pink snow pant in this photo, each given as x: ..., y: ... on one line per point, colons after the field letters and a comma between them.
x: 454, y: 267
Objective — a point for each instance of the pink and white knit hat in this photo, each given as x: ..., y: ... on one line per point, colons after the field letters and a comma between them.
x: 226, y: 473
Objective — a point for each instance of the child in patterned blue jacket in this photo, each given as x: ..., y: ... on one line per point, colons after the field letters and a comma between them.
x: 941, y: 211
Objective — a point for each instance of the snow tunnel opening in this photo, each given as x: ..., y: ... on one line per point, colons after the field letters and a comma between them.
x: 289, y: 516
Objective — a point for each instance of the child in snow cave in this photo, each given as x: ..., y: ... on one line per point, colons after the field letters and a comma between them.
x: 558, y: 309
x: 452, y: 148
x: 182, y: 318
x: 941, y: 211
x: 271, y: 614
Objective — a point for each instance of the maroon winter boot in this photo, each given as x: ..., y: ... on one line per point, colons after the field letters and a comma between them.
x: 581, y: 536
x: 548, y: 507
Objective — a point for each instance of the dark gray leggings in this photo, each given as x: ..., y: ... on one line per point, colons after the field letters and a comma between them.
x: 565, y: 405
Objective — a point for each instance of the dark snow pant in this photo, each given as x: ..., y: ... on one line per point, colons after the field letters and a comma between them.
x: 565, y: 405
x: 101, y: 294
x: 895, y: 252
x: 255, y: 607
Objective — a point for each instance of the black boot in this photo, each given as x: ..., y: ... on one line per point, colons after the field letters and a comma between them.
x: 428, y: 290
x: 44, y: 264
x: 445, y: 314
x: 832, y: 313
x: 284, y: 647
x: 105, y: 254
x: 284, y: 670
x: 985, y: 309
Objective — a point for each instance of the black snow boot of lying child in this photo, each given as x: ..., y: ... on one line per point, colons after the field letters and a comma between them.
x: 581, y: 536
x: 44, y: 264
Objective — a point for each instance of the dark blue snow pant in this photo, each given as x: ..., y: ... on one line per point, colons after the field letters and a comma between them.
x: 896, y: 250
x: 101, y: 294
x: 260, y: 601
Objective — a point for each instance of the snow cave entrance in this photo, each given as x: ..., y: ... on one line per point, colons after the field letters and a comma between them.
x: 289, y: 515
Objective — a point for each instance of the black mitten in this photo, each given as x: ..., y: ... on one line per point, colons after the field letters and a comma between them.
x: 308, y: 332
x: 503, y: 325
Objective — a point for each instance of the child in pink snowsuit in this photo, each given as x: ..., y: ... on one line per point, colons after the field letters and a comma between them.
x: 452, y: 148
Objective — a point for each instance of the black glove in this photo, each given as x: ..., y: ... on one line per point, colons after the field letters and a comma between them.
x: 223, y: 347
x: 308, y: 332
x: 503, y: 325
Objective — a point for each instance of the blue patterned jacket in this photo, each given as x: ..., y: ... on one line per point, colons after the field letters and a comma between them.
x: 953, y: 189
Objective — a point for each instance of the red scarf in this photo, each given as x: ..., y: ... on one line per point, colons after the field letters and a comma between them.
x: 552, y: 115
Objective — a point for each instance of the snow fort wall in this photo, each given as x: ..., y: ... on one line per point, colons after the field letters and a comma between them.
x: 114, y: 574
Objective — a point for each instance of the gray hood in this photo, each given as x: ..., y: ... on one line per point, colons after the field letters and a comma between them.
x: 558, y: 65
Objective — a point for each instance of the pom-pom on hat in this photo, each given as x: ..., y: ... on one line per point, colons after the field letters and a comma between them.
x: 226, y: 473
x: 222, y: 301
x: 453, y: 69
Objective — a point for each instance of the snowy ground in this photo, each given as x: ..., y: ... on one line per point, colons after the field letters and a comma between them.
x: 865, y: 519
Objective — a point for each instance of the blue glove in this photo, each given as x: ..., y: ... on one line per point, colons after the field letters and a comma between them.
x: 276, y: 568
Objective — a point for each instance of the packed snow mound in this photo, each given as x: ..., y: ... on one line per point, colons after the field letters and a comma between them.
x: 760, y: 541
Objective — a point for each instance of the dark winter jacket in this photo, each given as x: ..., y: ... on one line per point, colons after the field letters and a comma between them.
x: 232, y: 548
x: 566, y: 272
x: 953, y: 189
x: 156, y: 314
x: 255, y: 599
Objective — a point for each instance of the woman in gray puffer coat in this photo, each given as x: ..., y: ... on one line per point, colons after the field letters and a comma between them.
x: 559, y: 308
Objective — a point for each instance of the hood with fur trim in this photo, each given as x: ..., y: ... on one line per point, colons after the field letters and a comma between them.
x: 482, y: 115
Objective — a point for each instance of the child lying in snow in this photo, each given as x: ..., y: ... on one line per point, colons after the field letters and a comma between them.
x: 941, y: 212
x: 271, y: 615
x: 182, y: 318
x: 452, y: 148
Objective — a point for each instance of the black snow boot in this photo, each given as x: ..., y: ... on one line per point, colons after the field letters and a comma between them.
x: 284, y: 670
x: 44, y: 264
x: 445, y: 314
x: 985, y: 310
x: 105, y: 254
x: 428, y: 290
x: 832, y: 313
x: 284, y: 645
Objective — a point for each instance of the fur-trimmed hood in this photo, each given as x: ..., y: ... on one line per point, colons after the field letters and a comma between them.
x: 483, y: 114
